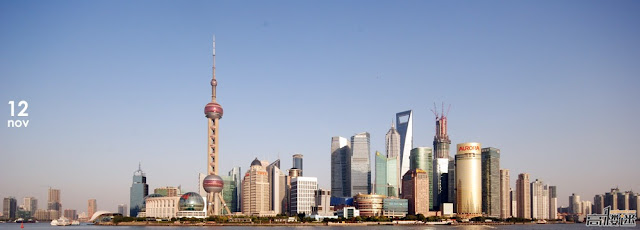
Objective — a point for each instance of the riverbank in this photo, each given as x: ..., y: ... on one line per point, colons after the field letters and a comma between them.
x: 313, y: 224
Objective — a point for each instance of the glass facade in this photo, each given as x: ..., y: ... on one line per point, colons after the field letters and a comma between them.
x: 191, y: 201
x: 139, y: 190
x: 386, y: 176
x: 297, y: 163
x: 229, y: 194
x: 421, y: 158
x: 340, y: 167
x: 360, y: 166
x: 395, y: 207
x: 491, y: 181
x: 404, y: 122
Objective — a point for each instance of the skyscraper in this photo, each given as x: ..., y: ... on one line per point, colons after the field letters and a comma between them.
x: 31, y: 205
x: 538, y: 200
x: 385, y: 177
x: 92, y: 206
x: 340, y: 167
x: 297, y: 163
x: 236, y: 174
x: 523, y: 196
x: 505, y: 197
x: 255, y: 190
x: 9, y: 207
x: 122, y: 209
x: 598, y: 203
x: 491, y: 181
x: 303, y: 194
x: 468, y: 180
x: 229, y: 194
x: 574, y: 204
x: 213, y: 111
x: 392, y: 141
x: 404, y: 121
x: 441, y: 175
x: 421, y: 158
x: 623, y: 200
x: 611, y: 199
x: 139, y: 190
x: 53, y: 203
x: 415, y: 189
x: 553, y: 202
x: 360, y: 164
x: 277, y: 187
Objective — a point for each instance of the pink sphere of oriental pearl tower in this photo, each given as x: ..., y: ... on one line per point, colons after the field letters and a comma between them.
x: 213, y: 111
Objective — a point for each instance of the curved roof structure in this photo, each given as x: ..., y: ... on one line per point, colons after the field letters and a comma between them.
x: 100, y: 213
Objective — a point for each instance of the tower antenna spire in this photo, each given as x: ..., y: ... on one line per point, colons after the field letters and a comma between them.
x: 214, y: 82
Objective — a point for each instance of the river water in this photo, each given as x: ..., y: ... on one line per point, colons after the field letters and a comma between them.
x: 42, y: 226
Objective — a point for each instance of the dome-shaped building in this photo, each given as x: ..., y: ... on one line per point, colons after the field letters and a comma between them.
x: 191, y: 201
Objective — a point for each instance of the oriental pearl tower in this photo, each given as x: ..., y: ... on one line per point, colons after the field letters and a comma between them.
x: 213, y: 112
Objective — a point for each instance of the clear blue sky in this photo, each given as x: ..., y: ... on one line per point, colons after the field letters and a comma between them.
x: 553, y: 84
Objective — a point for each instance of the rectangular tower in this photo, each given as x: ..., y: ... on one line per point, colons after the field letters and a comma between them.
x: 340, y: 167
x: 303, y: 191
x: 421, y: 158
x: 360, y: 164
x: 505, y: 196
x: 553, y: 202
x: 523, y: 196
x: 491, y: 181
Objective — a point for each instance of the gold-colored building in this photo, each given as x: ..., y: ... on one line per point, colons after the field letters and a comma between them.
x: 468, y: 179
x: 369, y: 205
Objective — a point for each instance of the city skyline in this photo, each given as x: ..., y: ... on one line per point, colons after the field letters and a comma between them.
x: 552, y: 88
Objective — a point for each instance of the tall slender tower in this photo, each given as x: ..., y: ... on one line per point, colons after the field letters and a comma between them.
x: 442, y: 189
x: 404, y: 122
x: 213, y: 112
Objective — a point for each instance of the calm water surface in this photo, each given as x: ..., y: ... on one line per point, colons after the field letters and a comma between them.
x: 42, y: 226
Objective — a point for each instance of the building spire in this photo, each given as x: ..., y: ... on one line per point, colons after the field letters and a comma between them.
x: 214, y: 82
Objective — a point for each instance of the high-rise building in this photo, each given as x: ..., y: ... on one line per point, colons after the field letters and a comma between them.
x: 229, y: 194
x: 31, y: 205
x: 598, y: 203
x: 340, y: 167
x: 404, y: 122
x: 386, y: 178
x: 92, y: 206
x: 9, y: 207
x: 297, y: 163
x: 422, y: 158
x: 255, y: 190
x: 491, y: 181
x: 139, y: 190
x: 442, y: 190
x: 574, y: 204
x: 71, y: 214
x: 553, y: 202
x: 523, y: 197
x: 53, y: 203
x: 236, y: 174
x: 277, y: 187
x: 415, y: 189
x: 514, y: 203
x: 322, y: 205
x: 303, y: 191
x: 392, y: 145
x: 168, y: 191
x: 213, y: 111
x: 468, y: 180
x: 611, y: 199
x: 122, y: 209
x: 360, y: 164
x: 585, y: 206
x: 539, y: 200
x: 623, y: 200
x: 635, y: 203
x: 448, y: 182
x: 505, y: 196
